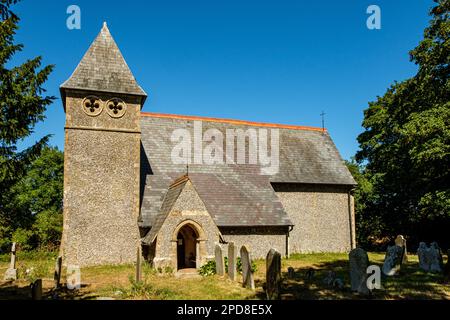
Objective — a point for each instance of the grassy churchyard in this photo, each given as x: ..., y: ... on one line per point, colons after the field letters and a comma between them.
x: 117, y: 281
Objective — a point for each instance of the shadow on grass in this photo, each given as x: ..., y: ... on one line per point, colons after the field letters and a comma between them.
x: 411, y: 283
x: 19, y: 291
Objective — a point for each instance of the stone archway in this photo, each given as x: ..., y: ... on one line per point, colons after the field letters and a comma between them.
x: 188, y: 247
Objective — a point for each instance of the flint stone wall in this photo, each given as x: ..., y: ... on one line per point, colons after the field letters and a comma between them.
x: 187, y: 209
x: 101, y: 184
x: 258, y: 240
x: 323, y: 217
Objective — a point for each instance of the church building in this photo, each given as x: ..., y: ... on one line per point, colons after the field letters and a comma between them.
x: 125, y: 190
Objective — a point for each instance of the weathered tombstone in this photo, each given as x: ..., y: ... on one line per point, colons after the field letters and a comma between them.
x: 247, y: 274
x: 435, y: 258
x: 232, y: 257
x: 430, y: 258
x: 36, y: 290
x: 422, y: 253
x: 401, y: 242
x: 11, y: 272
x: 359, y: 262
x: 291, y: 273
x: 73, y: 277
x: 138, y: 264
x: 220, y: 265
x: 273, y: 275
x: 393, y: 260
x: 57, y: 274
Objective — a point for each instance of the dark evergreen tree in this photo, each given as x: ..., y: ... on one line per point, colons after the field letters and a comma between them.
x: 22, y: 104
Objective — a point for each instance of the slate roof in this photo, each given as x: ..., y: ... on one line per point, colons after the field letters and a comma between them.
x: 170, y: 198
x: 103, y: 68
x: 236, y: 195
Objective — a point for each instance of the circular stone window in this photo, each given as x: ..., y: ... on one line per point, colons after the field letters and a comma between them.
x: 116, y: 107
x: 92, y: 106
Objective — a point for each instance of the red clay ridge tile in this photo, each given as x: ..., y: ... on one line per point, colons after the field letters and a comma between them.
x: 238, y: 122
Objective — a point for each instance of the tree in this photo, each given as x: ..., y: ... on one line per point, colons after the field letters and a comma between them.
x: 36, y: 202
x: 23, y: 103
x: 406, y: 143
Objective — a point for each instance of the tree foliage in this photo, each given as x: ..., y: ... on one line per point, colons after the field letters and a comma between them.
x: 405, y: 148
x: 35, y: 204
x: 22, y: 104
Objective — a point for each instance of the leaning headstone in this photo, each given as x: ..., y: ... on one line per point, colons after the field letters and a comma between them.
x: 11, y: 272
x: 220, y: 265
x: 138, y: 264
x: 359, y: 262
x: 435, y: 258
x: 291, y: 273
x: 232, y: 257
x: 73, y: 277
x: 273, y: 275
x: 57, y: 274
x: 422, y: 253
x: 247, y: 274
x: 36, y: 290
x: 393, y: 260
x: 401, y: 242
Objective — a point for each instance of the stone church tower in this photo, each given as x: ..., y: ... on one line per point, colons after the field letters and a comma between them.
x: 102, y: 102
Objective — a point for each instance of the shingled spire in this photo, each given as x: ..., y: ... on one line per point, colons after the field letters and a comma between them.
x: 103, y: 69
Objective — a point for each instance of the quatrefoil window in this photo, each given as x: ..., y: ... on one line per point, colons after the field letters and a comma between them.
x: 92, y: 106
x: 116, y: 107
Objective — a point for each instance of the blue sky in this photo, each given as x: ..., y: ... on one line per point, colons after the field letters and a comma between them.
x: 267, y: 61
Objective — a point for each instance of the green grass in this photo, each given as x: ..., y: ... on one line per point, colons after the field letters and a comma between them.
x: 116, y: 281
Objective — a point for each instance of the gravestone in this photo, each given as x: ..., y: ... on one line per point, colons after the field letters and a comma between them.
x: 11, y: 272
x: 422, y: 253
x: 291, y: 273
x: 220, y: 265
x: 232, y: 257
x: 273, y: 275
x: 73, y: 274
x: 36, y: 290
x: 393, y: 260
x: 247, y: 274
x: 430, y: 258
x: 138, y: 264
x: 359, y: 262
x: 435, y: 258
x: 401, y: 242
x: 57, y: 274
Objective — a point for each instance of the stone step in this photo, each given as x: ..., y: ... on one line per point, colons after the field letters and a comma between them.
x: 187, y: 273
